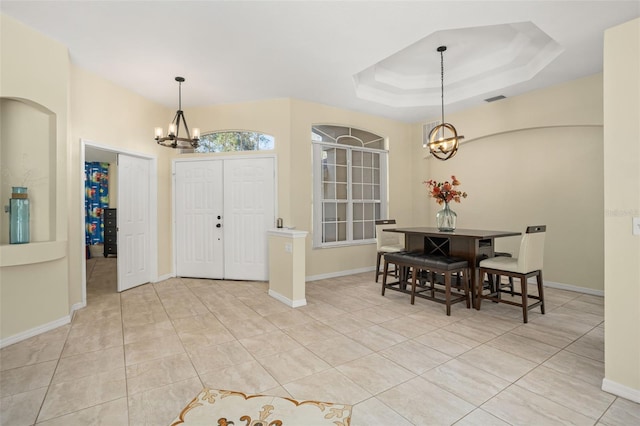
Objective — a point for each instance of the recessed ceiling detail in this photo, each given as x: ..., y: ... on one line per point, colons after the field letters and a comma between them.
x: 480, y: 60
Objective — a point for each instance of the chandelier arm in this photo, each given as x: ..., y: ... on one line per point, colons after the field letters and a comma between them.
x: 186, y: 128
x: 446, y: 156
x: 176, y: 119
x: 178, y: 114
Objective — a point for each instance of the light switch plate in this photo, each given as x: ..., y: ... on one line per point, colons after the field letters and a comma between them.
x: 636, y: 226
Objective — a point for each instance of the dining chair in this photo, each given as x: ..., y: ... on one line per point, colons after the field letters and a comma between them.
x: 498, y: 278
x: 387, y: 242
x: 527, y: 264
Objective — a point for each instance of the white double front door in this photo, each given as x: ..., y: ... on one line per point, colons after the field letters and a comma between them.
x: 223, y: 209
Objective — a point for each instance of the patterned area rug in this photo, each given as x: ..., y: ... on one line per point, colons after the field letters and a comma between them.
x: 227, y: 408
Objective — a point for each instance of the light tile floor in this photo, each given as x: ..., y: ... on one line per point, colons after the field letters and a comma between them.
x: 138, y: 357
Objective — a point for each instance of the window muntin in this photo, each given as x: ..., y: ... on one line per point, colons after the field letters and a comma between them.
x: 235, y: 140
x: 346, y: 136
x: 349, y: 188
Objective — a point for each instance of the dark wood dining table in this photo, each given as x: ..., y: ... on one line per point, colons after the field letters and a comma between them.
x: 472, y: 245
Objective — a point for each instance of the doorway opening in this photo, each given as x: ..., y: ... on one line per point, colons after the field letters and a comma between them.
x: 127, y: 177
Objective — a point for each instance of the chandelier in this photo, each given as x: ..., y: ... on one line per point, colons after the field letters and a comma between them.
x: 443, y: 139
x: 173, y: 140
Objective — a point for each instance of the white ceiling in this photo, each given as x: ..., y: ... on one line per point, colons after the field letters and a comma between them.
x: 236, y: 51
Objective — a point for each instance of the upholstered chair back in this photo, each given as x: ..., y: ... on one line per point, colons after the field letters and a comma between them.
x: 531, y: 254
x: 387, y: 238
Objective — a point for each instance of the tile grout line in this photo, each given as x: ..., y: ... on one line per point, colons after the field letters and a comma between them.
x: 354, y: 286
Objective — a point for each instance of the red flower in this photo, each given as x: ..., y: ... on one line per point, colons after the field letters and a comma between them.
x: 445, y: 192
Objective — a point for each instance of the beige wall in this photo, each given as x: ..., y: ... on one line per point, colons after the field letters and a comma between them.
x: 546, y: 147
x: 34, y: 277
x: 271, y: 117
x: 561, y: 144
x: 113, y: 185
x: 622, y: 202
x: 530, y: 160
x: 287, y: 266
x: 290, y: 121
x: 329, y: 261
x: 118, y: 119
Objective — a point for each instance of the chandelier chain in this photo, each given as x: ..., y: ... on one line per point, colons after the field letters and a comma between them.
x: 441, y: 146
x: 442, y: 85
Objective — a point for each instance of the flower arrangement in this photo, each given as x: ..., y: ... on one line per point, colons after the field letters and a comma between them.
x: 445, y: 192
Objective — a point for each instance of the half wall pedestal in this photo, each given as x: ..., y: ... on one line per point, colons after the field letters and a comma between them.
x: 287, y: 266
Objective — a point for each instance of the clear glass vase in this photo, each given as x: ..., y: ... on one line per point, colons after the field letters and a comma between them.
x: 19, y: 216
x: 446, y: 219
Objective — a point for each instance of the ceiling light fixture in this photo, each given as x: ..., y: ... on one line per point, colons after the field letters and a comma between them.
x: 173, y: 140
x: 443, y: 147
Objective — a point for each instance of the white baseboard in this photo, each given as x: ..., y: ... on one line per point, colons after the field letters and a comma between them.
x: 286, y: 300
x: 621, y: 390
x: 551, y: 284
x: 570, y: 287
x: 75, y: 307
x: 35, y: 331
x: 164, y: 277
x: 340, y: 273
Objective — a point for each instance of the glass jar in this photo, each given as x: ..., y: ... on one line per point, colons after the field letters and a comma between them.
x: 446, y: 219
x: 19, y: 216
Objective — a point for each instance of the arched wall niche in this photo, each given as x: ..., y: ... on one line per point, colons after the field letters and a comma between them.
x: 28, y: 158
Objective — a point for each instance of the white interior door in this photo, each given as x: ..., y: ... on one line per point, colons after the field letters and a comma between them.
x: 223, y: 210
x: 133, y: 221
x: 249, y: 211
x: 199, y: 215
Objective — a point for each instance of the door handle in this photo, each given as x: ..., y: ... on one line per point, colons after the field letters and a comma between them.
x: 218, y: 225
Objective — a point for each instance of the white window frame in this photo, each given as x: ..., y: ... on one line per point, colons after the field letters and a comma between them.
x: 318, y: 196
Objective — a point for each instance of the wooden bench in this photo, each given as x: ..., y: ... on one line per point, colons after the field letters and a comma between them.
x: 425, y: 271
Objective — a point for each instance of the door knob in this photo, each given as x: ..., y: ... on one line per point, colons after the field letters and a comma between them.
x: 218, y: 225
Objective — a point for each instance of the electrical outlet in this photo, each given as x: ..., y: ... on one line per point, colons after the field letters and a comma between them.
x: 288, y: 248
x: 636, y: 226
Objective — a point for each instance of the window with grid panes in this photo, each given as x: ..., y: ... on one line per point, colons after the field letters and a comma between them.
x: 349, y: 178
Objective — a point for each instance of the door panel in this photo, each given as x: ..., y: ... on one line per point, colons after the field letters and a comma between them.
x: 133, y: 221
x: 241, y: 192
x: 250, y: 211
x: 199, y: 204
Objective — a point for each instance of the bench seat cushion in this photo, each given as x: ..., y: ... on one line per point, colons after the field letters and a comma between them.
x: 427, y: 261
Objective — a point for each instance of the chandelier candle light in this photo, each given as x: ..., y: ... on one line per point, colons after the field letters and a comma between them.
x: 444, y: 193
x: 173, y: 140
x: 443, y: 147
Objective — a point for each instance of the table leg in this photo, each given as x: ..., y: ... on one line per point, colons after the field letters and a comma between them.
x: 476, y: 287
